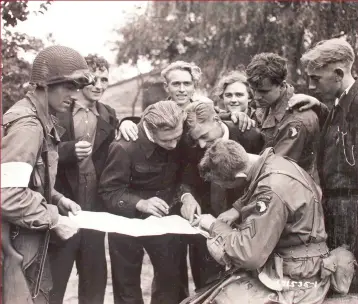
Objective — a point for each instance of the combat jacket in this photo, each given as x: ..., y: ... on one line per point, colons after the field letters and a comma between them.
x: 281, y: 232
x: 22, y: 168
x: 293, y: 133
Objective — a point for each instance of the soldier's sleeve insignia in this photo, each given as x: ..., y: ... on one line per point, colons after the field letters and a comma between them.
x: 293, y: 132
x: 262, y: 203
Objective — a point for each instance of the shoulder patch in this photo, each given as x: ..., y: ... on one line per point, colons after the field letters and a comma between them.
x: 262, y: 203
x: 293, y: 132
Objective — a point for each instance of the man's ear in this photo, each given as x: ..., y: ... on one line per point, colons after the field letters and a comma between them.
x: 165, y: 84
x: 240, y: 175
x: 339, y: 74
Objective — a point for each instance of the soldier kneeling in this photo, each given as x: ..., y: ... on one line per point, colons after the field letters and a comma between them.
x: 277, y: 253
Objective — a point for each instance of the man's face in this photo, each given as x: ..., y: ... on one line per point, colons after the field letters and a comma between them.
x: 206, y: 133
x: 236, y: 97
x: 266, y: 94
x: 95, y: 92
x: 323, y: 82
x: 61, y: 96
x: 168, y: 139
x: 180, y: 86
x: 239, y: 182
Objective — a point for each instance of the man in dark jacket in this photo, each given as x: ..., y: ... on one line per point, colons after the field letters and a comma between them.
x: 90, y: 129
x: 140, y: 179
x: 329, y: 66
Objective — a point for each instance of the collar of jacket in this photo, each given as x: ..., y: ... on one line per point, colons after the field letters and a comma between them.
x: 255, y: 170
x: 277, y: 112
x: 49, y: 121
x: 347, y: 100
x: 146, y: 145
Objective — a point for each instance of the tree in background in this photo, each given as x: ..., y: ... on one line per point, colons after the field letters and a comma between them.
x: 15, y: 70
x: 222, y: 36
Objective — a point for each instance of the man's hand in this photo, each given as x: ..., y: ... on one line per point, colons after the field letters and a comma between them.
x: 83, y: 149
x: 129, y: 130
x: 243, y: 120
x: 303, y: 101
x: 65, y: 227
x: 229, y: 216
x: 190, y: 207
x: 205, y: 221
x: 154, y: 206
x: 66, y: 205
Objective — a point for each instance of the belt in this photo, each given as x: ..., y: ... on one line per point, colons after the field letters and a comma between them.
x: 303, y: 251
x: 340, y: 192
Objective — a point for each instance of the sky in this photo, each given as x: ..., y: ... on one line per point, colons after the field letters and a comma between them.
x: 86, y: 26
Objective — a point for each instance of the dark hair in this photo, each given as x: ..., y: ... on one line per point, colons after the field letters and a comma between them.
x: 96, y: 62
x: 223, y: 160
x: 266, y: 65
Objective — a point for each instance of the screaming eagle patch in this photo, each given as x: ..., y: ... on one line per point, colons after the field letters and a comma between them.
x: 293, y: 132
x: 262, y: 203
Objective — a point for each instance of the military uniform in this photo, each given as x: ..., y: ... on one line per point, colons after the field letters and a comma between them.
x: 23, y: 176
x: 338, y: 167
x: 280, y: 238
x: 292, y: 133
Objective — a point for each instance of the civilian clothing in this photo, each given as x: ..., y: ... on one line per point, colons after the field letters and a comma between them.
x: 126, y: 263
x: 138, y: 170
x: 85, y: 124
x: 86, y: 248
x: 134, y: 171
x: 338, y: 165
x: 79, y: 180
x: 68, y: 177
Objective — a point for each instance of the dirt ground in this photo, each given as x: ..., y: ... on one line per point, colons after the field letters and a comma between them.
x: 147, y: 275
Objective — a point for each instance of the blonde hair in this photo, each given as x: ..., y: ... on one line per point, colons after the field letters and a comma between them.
x: 329, y: 51
x: 193, y: 69
x: 163, y: 115
x: 231, y: 78
x: 199, y: 113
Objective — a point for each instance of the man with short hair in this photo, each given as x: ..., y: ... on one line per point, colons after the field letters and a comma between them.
x: 140, y: 179
x: 203, y: 126
x: 292, y: 133
x: 181, y: 80
x: 30, y: 206
x: 89, y: 130
x: 329, y: 65
x: 280, y: 234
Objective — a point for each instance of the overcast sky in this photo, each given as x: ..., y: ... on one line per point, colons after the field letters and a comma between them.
x: 86, y: 26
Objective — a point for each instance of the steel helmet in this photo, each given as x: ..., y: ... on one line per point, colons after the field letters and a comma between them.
x: 59, y: 64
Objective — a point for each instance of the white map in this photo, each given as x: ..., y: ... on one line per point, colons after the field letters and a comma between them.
x: 107, y: 222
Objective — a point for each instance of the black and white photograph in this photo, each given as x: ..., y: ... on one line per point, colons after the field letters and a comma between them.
x: 179, y: 152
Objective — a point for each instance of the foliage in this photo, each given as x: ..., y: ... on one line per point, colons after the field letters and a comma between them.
x: 15, y: 70
x: 221, y: 36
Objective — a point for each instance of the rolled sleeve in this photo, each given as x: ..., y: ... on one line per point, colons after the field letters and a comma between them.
x: 114, y: 187
x: 21, y: 205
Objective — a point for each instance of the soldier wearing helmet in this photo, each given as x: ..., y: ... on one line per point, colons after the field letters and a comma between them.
x: 30, y: 206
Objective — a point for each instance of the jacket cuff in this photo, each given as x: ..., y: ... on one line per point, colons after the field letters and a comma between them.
x: 220, y: 227
x: 54, y: 215
x: 56, y: 197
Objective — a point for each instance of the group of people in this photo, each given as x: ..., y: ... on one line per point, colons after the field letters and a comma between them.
x: 272, y: 178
